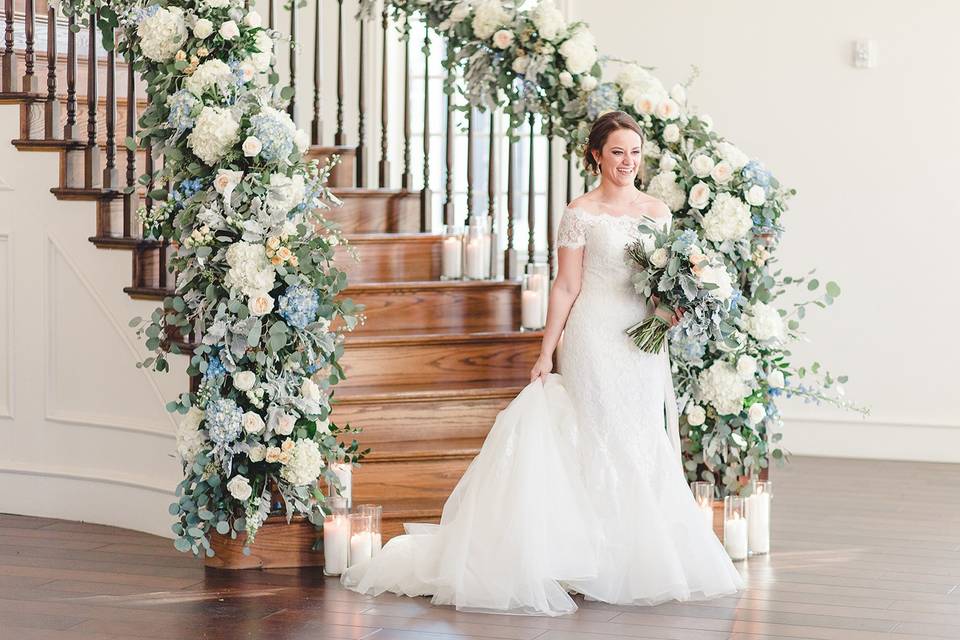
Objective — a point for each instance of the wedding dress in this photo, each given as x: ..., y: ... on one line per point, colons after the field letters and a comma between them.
x: 578, y: 486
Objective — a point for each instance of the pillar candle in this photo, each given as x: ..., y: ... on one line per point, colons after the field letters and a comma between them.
x: 530, y: 309
x: 361, y: 547
x: 735, y: 537
x: 452, y: 262
x: 336, y: 546
x: 758, y: 519
x: 473, y: 259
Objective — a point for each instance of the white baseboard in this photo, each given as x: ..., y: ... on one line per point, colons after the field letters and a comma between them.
x: 872, y: 439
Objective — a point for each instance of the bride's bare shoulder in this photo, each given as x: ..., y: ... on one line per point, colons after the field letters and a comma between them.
x: 584, y: 202
x: 656, y: 208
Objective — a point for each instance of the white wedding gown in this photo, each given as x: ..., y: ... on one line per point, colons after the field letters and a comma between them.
x: 578, y: 486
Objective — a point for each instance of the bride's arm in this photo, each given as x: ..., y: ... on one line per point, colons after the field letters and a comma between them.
x: 564, y: 292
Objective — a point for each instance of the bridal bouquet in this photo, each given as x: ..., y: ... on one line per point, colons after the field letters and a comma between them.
x: 675, y: 272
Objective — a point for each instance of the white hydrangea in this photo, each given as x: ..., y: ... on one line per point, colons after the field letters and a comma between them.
x: 723, y: 388
x: 250, y: 270
x: 162, y: 34
x: 488, y: 17
x: 305, y: 465
x: 671, y: 133
x: 727, y: 219
x: 285, y: 192
x: 210, y: 74
x: 718, y: 275
x: 763, y: 322
x: 189, y: 439
x: 664, y: 187
x: 732, y: 154
x: 579, y: 51
x: 548, y: 20
x: 214, y: 134
x: 637, y: 81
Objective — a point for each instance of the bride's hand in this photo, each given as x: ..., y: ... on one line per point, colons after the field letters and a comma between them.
x: 542, y: 368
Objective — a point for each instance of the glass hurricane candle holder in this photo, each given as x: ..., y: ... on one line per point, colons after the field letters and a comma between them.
x: 477, y: 242
x: 758, y: 517
x: 344, y: 474
x: 361, y: 539
x: 703, y: 495
x: 375, y: 512
x: 735, y: 527
x: 336, y: 537
x: 531, y: 303
x: 451, y: 257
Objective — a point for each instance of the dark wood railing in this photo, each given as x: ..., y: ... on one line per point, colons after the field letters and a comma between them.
x: 101, y: 142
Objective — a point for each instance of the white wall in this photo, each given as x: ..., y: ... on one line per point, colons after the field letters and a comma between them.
x: 85, y: 434
x: 873, y: 154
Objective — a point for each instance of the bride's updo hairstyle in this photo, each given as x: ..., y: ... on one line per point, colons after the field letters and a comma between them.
x: 601, y: 130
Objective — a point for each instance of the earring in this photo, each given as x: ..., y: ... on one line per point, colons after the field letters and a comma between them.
x: 597, y: 170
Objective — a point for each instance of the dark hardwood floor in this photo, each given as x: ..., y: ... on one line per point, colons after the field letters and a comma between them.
x: 861, y: 550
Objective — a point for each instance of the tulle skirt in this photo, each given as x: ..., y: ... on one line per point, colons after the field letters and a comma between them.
x: 524, y: 527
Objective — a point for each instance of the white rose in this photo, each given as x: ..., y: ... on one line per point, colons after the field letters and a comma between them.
x: 520, y: 64
x: 699, y: 195
x: 226, y: 180
x: 756, y: 414
x: 488, y: 16
x: 659, y: 258
x: 247, y: 70
x: 252, y: 146
x: 775, y: 379
x: 722, y: 172
x: 285, y: 424
x: 260, y: 303
x: 668, y: 110
x: 732, y: 154
x: 566, y: 79
x: 229, y: 30
x: 671, y: 133
x: 257, y: 453
x: 756, y: 195
x: 678, y: 93
x: 747, y: 366
x: 503, y: 38
x: 264, y: 45
x: 695, y: 415
x: 239, y: 487
x: 645, y: 104
x: 202, y: 28
x: 667, y: 162
x: 302, y: 140
x: 252, y: 422
x: 252, y: 19
x: 244, y: 380
x: 588, y: 83
x: 309, y: 390
x: 702, y: 165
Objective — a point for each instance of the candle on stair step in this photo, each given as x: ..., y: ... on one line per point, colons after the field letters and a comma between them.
x: 452, y: 253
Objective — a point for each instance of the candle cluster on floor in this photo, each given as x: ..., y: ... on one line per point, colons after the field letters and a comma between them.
x: 746, y: 519
x: 349, y: 537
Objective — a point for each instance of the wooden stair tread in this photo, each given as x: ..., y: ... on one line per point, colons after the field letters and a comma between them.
x: 420, y: 285
x: 424, y: 450
x: 48, y: 145
x: 369, y: 192
x: 441, y: 338
x: 82, y: 193
x: 433, y: 391
x: 371, y: 238
x: 120, y: 242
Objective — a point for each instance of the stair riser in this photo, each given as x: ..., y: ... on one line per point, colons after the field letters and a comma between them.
x: 393, y: 261
x: 388, y: 213
x: 429, y: 482
x: 452, y: 310
x: 507, y: 362
x: 390, y: 421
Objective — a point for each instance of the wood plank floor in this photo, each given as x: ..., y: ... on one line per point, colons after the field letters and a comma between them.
x: 861, y: 550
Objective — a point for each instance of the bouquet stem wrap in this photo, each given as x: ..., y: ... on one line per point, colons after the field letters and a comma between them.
x: 650, y: 333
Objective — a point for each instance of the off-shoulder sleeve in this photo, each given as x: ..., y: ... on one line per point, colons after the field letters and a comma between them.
x: 572, y: 230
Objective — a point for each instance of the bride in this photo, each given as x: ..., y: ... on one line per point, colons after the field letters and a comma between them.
x: 578, y: 486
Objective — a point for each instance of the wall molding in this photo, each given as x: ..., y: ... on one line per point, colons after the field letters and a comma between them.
x: 7, y: 404
x: 872, y: 421
x: 871, y: 440
x: 82, y: 475
x: 59, y: 414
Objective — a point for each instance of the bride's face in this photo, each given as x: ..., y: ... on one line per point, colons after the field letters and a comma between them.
x: 621, y: 157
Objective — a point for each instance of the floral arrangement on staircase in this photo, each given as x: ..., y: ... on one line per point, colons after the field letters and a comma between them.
x: 535, y: 61
x: 256, y: 286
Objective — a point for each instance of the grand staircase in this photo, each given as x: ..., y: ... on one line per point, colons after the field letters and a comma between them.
x: 428, y: 370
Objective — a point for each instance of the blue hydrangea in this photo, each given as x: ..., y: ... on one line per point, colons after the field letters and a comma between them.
x: 186, y: 189
x: 215, y: 369
x: 182, y: 105
x: 754, y: 173
x: 603, y: 98
x: 299, y: 306
x: 275, y: 130
x: 224, y: 421
x: 685, y: 241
